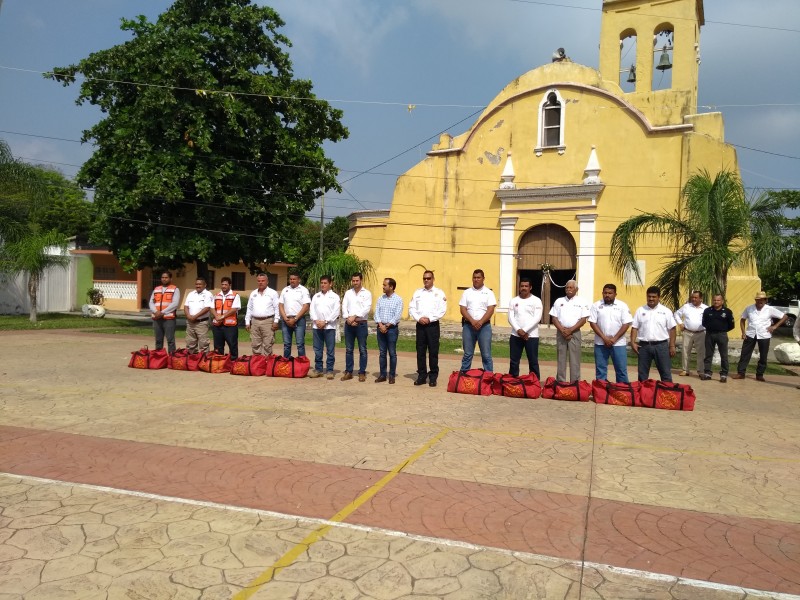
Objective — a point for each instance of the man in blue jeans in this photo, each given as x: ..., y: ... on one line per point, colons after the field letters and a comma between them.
x: 325, y: 311
x: 356, y: 304
x: 387, y: 316
x: 293, y: 305
x: 477, y: 307
x: 610, y: 319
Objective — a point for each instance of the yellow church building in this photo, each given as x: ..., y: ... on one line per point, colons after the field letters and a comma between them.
x: 554, y: 164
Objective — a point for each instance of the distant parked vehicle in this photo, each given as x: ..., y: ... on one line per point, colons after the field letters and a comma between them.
x: 793, y: 310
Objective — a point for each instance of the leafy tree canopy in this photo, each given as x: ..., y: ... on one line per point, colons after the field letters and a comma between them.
x: 66, y: 209
x: 210, y: 149
x: 303, y: 246
x: 780, y: 277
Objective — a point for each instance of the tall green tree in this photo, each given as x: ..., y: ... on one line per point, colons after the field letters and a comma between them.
x: 22, y: 190
x: 66, y: 208
x: 780, y: 276
x: 302, y: 243
x: 714, y: 229
x: 210, y: 147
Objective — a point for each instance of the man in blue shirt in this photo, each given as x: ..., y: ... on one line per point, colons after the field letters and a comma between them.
x: 387, y: 316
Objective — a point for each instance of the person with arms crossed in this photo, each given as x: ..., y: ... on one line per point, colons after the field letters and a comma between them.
x: 293, y: 305
x: 356, y: 304
x: 610, y: 320
x: 262, y: 317
x: 388, y: 312
x: 164, y: 303
x: 653, y: 336
x: 428, y: 305
x: 717, y: 321
x: 524, y: 316
x: 325, y: 310
x: 569, y: 314
x: 757, y: 328
x: 690, y: 320
x: 197, y: 307
x: 477, y: 307
x: 225, y: 326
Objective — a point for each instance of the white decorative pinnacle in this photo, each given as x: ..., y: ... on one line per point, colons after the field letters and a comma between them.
x: 508, y: 175
x: 592, y: 170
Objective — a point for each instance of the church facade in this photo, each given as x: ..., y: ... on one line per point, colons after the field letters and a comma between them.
x: 559, y: 158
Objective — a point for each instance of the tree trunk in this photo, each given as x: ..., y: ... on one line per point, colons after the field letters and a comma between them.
x: 33, y: 290
x: 202, y: 269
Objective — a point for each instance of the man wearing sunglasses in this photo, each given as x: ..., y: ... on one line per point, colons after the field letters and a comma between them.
x: 428, y: 305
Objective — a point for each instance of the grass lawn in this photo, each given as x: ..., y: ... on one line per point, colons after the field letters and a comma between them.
x: 404, y: 344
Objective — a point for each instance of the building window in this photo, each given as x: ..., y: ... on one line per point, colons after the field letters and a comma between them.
x: 238, y: 280
x: 210, y: 280
x: 551, y: 123
x: 105, y: 273
x: 272, y: 280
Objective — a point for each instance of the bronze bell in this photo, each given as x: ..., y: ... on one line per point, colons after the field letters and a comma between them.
x: 664, y: 63
x: 632, y: 74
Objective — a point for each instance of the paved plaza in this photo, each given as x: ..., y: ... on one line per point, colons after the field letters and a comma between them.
x: 125, y: 484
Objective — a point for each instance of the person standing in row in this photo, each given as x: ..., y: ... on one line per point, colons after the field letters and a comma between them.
x: 388, y: 313
x: 653, y: 336
x: 356, y: 305
x: 293, y: 305
x: 225, y: 323
x: 569, y: 314
x: 477, y: 307
x: 758, y: 321
x: 717, y: 321
x: 428, y: 305
x: 164, y: 303
x: 610, y: 320
x: 262, y: 316
x: 197, y: 307
x: 524, y: 316
x: 325, y: 310
x: 690, y: 320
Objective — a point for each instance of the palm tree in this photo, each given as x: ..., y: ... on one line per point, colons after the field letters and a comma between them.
x: 340, y: 267
x: 21, y: 189
x: 33, y: 255
x: 714, y: 229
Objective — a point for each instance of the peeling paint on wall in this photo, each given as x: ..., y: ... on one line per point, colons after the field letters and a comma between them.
x: 493, y: 158
x: 498, y: 124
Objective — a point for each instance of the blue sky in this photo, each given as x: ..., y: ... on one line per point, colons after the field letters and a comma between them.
x: 372, y: 58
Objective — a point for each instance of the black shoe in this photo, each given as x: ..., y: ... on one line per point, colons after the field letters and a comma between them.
x: 420, y: 381
x: 380, y: 379
x: 432, y: 383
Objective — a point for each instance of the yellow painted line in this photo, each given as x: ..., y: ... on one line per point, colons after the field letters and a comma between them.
x: 292, y: 555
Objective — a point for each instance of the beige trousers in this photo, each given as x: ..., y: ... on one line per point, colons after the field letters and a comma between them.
x: 261, y: 336
x: 197, y: 336
x: 696, y: 340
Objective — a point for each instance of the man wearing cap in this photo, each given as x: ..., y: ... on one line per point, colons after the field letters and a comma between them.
x: 690, y: 321
x: 757, y: 328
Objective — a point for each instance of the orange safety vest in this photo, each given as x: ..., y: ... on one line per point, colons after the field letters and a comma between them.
x: 163, y: 298
x: 224, y: 304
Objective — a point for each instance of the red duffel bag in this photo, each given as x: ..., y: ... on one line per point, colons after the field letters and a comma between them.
x: 295, y: 367
x: 179, y: 360
x: 211, y: 362
x: 475, y: 382
x: 619, y: 394
x: 578, y: 391
x: 158, y: 359
x: 140, y: 359
x: 193, y: 361
x: 666, y: 395
x: 254, y: 366
x: 527, y: 386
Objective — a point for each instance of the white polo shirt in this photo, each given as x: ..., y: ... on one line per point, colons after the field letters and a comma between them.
x: 325, y: 307
x: 525, y: 314
x: 691, y: 316
x: 759, y: 320
x: 357, y: 305
x: 610, y: 318
x: 293, y: 299
x: 197, y: 302
x: 653, y: 324
x: 261, y: 305
x: 477, y: 302
x: 430, y: 303
x: 569, y: 311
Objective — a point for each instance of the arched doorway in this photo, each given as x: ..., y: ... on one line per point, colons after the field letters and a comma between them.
x: 554, y: 245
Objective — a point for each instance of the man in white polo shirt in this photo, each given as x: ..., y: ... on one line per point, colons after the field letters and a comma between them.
x: 428, y: 305
x: 325, y: 311
x: 653, y: 336
x: 262, y: 316
x: 293, y: 305
x: 524, y: 316
x: 610, y: 319
x: 356, y: 304
x: 197, y: 308
x: 477, y: 307
x: 690, y: 320
x: 758, y: 319
x: 569, y: 314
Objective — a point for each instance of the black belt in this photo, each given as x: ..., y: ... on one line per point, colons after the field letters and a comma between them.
x: 263, y: 318
x: 428, y: 324
x: 694, y: 330
x: 652, y: 343
x: 200, y: 320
